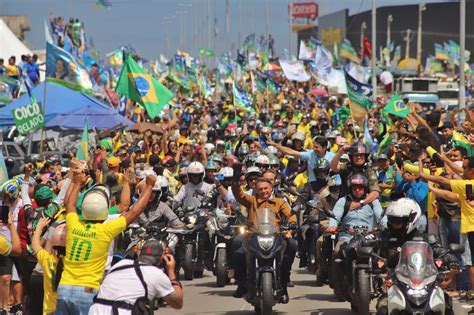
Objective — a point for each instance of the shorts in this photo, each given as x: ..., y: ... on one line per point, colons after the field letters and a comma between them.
x: 6, y: 266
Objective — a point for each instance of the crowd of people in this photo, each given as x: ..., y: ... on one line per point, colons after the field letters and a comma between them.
x: 404, y: 177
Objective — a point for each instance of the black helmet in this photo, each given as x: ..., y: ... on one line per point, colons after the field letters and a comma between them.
x: 358, y: 180
x: 151, y: 252
x: 321, y: 170
x: 358, y: 148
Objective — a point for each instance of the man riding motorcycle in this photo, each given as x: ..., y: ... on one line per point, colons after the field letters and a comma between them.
x: 263, y: 199
x: 358, y: 154
x: 352, y: 219
x: 402, y: 226
x: 186, y: 195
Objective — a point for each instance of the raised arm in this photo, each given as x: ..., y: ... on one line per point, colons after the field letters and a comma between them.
x: 285, y: 150
x: 335, y: 160
x: 142, y: 202
x: 36, y: 240
x: 125, y: 195
x: 432, y: 178
x: 16, y: 244
x: 445, y: 194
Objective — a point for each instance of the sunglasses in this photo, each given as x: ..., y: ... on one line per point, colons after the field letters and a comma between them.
x: 260, y: 165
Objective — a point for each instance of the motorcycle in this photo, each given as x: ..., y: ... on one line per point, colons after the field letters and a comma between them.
x: 413, y: 286
x: 222, y: 229
x: 193, y: 239
x: 264, y: 250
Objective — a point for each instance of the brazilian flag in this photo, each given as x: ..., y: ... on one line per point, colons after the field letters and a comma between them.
x: 139, y: 86
x: 83, y: 150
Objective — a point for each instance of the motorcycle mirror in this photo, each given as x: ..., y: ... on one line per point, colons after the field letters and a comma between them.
x: 456, y: 249
x: 365, y: 252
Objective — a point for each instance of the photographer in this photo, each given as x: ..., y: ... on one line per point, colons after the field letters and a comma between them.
x: 132, y: 286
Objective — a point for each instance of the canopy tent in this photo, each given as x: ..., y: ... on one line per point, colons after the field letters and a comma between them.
x: 59, y: 100
x: 10, y: 45
x: 97, y: 117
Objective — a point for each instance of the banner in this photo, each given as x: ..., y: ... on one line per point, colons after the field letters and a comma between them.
x: 65, y: 69
x: 294, y: 70
x: 28, y: 118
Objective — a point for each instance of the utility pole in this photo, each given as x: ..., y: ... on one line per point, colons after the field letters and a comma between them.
x: 462, y: 44
x: 290, y: 6
x: 240, y: 24
x: 227, y: 24
x: 407, y: 42
x: 266, y: 21
x: 389, y: 33
x: 363, y: 26
x: 421, y: 8
x: 209, y: 46
x: 374, y: 51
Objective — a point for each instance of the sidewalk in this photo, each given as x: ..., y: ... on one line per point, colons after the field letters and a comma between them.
x: 462, y: 307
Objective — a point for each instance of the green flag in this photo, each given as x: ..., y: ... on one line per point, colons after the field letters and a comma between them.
x: 384, y: 146
x: 141, y: 87
x: 397, y: 107
x: 272, y: 86
x: 83, y: 150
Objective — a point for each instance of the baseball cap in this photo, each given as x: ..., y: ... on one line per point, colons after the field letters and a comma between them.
x: 382, y: 157
x: 113, y: 162
x: 151, y: 252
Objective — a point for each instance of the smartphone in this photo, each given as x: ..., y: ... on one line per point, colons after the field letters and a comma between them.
x: 4, y: 214
x: 469, y: 192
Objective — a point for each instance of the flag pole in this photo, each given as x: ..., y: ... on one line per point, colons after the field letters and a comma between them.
x: 43, y: 130
x: 462, y: 43
x: 374, y: 56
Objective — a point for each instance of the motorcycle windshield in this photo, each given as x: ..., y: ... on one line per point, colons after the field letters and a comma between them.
x: 416, y: 267
x: 266, y: 222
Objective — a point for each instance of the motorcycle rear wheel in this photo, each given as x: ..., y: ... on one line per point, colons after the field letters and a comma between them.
x: 221, y: 272
x: 363, y: 292
x: 267, y: 300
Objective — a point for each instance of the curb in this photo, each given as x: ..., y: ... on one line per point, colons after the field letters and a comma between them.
x: 461, y: 308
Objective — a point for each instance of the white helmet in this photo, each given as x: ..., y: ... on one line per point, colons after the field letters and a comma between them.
x: 195, y: 168
x: 404, y: 210
x: 209, y: 147
x: 227, y: 172
x: 164, y: 183
x: 96, y: 203
x: 262, y: 159
x: 157, y: 186
x: 271, y: 150
x: 253, y: 170
x: 299, y: 135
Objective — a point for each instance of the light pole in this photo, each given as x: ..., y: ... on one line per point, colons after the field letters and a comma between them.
x: 407, y: 40
x: 374, y: 45
x: 181, y: 28
x: 266, y: 22
x: 421, y: 8
x: 240, y: 23
x: 462, y: 44
x: 290, y: 6
x: 183, y: 5
x: 363, y: 26
x: 389, y: 33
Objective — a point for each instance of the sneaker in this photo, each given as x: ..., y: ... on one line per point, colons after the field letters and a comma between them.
x: 285, y: 298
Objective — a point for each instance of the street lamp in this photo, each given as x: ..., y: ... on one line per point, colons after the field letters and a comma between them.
x: 421, y: 8
x: 362, y: 29
x: 389, y: 26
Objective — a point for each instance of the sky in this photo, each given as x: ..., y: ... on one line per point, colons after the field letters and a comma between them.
x: 158, y: 26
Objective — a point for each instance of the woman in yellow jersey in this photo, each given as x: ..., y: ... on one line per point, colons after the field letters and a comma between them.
x: 50, y: 261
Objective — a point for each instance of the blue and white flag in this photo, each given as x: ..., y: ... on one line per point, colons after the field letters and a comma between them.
x: 294, y: 70
x: 323, y: 62
x: 65, y: 69
x: 242, y: 99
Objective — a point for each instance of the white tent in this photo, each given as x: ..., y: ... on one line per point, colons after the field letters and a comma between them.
x: 10, y: 45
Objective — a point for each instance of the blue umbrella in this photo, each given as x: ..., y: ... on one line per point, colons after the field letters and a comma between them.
x: 99, y: 118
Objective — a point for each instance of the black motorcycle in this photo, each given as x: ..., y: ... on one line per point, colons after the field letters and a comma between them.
x: 264, y: 250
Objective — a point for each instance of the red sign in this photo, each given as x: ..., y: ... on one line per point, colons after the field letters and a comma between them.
x: 304, y: 10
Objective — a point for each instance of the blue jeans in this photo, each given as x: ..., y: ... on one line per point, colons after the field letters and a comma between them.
x: 74, y: 300
x: 449, y: 231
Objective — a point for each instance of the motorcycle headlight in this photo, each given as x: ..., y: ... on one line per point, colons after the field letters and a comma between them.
x: 265, y: 242
x: 417, y: 296
x: 242, y: 230
x: 192, y: 219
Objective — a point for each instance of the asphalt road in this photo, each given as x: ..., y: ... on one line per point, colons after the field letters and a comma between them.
x: 201, y: 296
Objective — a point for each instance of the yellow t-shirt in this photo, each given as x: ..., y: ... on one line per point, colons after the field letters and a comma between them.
x: 87, y: 247
x: 5, y: 246
x: 12, y: 71
x: 301, y: 180
x: 467, y: 208
x: 48, y: 262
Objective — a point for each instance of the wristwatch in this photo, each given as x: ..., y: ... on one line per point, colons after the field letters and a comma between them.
x: 362, y: 202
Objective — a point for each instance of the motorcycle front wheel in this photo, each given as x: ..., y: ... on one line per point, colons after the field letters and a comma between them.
x: 221, y: 273
x: 188, y: 264
x: 266, y: 301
